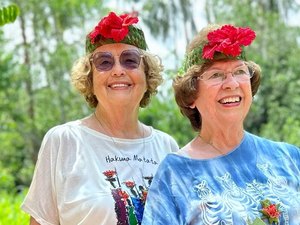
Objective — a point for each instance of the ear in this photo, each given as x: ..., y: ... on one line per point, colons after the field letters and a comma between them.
x: 192, y: 106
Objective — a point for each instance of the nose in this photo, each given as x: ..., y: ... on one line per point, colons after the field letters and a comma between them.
x: 117, y: 69
x: 230, y: 82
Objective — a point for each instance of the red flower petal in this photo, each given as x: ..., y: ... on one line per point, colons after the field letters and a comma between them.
x: 233, y: 49
x: 128, y: 19
x: 112, y: 20
x: 93, y: 36
x: 208, y: 52
x: 224, y: 34
x: 227, y: 40
x: 113, y: 26
x: 119, y: 34
x: 245, y: 36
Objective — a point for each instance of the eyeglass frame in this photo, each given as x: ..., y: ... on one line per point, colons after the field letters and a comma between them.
x: 140, y: 54
x: 224, y: 77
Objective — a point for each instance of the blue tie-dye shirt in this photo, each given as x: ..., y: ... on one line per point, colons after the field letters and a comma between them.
x: 227, y: 190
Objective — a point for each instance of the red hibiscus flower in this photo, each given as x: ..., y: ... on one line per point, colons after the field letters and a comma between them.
x: 270, y: 211
x: 227, y: 40
x: 129, y: 184
x: 113, y: 26
x: 124, y: 196
x: 109, y: 173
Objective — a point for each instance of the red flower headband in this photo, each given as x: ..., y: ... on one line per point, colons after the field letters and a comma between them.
x: 113, y: 26
x: 115, y: 29
x: 227, y: 40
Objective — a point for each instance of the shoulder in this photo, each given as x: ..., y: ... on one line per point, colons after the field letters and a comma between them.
x: 63, y: 140
x: 161, y: 134
x: 62, y: 130
x: 162, y: 140
x: 271, y: 145
x: 174, y: 160
x: 173, y: 166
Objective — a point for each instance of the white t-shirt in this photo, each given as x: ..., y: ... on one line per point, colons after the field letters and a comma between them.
x: 85, y: 177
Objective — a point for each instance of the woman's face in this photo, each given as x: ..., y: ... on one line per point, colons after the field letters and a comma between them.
x: 118, y: 75
x: 226, y: 100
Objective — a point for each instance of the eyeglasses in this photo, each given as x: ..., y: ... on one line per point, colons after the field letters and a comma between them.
x: 129, y: 59
x: 215, y: 77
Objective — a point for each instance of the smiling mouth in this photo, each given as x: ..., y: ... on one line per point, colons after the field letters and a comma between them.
x: 119, y: 85
x: 230, y: 100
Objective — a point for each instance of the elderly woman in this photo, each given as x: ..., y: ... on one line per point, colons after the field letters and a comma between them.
x: 225, y: 175
x: 97, y: 170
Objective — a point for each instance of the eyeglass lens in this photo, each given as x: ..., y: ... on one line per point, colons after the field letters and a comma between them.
x: 129, y: 59
x: 240, y: 73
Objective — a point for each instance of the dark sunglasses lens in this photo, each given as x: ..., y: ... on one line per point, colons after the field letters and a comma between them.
x: 130, y: 59
x: 103, y: 61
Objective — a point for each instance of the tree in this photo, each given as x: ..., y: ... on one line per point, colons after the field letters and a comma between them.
x: 38, y: 77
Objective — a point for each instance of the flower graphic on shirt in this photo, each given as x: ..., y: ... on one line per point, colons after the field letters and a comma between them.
x: 148, y: 179
x: 270, y: 212
x: 257, y: 221
x: 111, y: 176
x: 129, y: 184
x: 129, y: 197
x: 124, y: 196
x: 109, y: 173
x: 144, y: 196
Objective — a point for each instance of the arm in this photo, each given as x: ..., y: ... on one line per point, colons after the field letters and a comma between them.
x: 33, y: 221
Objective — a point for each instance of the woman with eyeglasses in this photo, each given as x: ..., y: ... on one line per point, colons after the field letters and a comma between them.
x: 225, y: 175
x: 97, y: 170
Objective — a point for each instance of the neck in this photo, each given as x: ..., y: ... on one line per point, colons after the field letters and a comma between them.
x: 222, y: 135
x: 222, y: 142
x: 121, y: 128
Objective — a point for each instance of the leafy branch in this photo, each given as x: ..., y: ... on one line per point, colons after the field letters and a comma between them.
x: 9, y: 14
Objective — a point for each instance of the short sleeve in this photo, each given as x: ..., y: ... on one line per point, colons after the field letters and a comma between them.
x: 40, y: 201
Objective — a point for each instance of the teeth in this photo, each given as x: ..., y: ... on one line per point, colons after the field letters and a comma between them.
x: 119, y: 85
x: 230, y: 100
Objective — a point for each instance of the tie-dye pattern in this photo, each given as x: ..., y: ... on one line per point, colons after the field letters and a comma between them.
x: 227, y: 190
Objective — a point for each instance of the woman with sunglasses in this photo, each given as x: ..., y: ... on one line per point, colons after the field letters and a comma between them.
x: 97, y: 170
x: 225, y: 175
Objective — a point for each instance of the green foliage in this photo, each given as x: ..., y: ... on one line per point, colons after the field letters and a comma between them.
x: 9, y: 14
x: 163, y: 114
x: 35, y: 88
x: 36, y: 94
x: 7, y: 181
x: 10, y: 212
x: 14, y: 166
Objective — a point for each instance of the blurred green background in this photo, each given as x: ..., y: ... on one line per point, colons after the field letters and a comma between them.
x: 40, y: 46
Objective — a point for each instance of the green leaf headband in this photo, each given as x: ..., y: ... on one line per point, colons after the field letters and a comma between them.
x: 225, y: 42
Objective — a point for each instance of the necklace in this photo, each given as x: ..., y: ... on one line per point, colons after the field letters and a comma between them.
x: 100, y: 125
x: 210, y: 144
